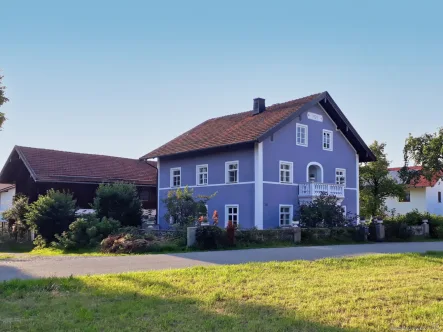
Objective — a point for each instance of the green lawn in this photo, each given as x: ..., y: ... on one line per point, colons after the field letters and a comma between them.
x: 371, y: 293
x: 5, y: 256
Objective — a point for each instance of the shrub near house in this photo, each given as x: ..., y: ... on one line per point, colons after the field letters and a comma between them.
x: 51, y: 214
x: 119, y: 201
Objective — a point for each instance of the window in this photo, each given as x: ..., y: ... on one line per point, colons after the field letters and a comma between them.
x: 202, y: 175
x: 231, y: 168
x: 302, y: 134
x: 406, y: 198
x: 231, y: 214
x: 285, y: 215
x: 344, y: 210
x: 176, y: 177
x: 327, y: 140
x: 439, y: 196
x: 285, y: 172
x: 340, y: 176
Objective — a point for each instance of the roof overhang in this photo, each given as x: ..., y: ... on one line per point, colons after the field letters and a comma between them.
x: 221, y: 148
x: 331, y: 108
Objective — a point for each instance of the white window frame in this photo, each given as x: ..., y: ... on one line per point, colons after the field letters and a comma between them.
x: 291, y: 214
x: 344, y: 210
x: 299, y: 125
x: 171, y: 177
x: 227, y: 164
x: 197, y: 175
x: 227, y: 206
x: 344, y: 175
x: 331, y: 140
x: 291, y: 171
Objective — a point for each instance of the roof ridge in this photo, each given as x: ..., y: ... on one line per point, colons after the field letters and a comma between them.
x: 76, y: 153
x: 272, y: 107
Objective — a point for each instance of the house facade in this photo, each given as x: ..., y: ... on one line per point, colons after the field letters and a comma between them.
x: 264, y: 163
x: 7, y: 193
x: 422, y: 195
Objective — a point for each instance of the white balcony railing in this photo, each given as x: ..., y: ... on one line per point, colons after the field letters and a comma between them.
x: 314, y: 189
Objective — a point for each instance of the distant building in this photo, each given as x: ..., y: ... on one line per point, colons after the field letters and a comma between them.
x: 34, y: 171
x: 7, y: 192
x: 422, y: 195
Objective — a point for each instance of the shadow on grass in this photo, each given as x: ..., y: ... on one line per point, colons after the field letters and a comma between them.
x: 136, y: 305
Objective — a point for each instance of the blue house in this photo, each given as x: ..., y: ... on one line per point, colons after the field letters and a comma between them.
x: 264, y: 163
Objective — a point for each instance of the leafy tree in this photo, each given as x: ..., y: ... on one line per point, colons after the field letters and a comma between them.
x: 425, y: 151
x: 51, y: 214
x: 182, y: 208
x: 324, y: 211
x: 15, y: 216
x: 3, y: 100
x: 376, y: 184
x: 119, y: 201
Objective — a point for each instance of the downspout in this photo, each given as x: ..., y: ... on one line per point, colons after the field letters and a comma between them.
x: 157, y: 191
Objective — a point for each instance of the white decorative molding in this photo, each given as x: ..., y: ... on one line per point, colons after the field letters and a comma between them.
x: 209, y: 185
x: 283, y: 184
x: 158, y: 191
x: 315, y: 117
x: 258, y: 174
x: 357, y: 185
x: 314, y: 163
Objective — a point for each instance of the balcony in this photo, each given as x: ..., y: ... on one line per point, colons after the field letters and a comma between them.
x: 308, y: 191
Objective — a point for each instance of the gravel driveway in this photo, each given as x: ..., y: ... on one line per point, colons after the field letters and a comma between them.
x: 25, y: 267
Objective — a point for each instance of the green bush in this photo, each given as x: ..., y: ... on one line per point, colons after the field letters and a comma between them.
x: 119, y: 201
x: 210, y: 237
x: 15, y: 215
x: 437, y: 232
x: 322, y: 212
x: 51, y: 214
x: 87, y: 231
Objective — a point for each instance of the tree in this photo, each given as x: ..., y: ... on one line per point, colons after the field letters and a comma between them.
x: 3, y: 100
x: 119, y: 201
x: 425, y: 151
x: 51, y: 214
x: 376, y: 184
x: 182, y: 208
x: 15, y: 216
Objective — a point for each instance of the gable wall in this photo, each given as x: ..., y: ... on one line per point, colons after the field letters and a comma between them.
x: 283, y: 148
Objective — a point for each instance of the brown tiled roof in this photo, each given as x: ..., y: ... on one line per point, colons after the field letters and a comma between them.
x: 60, y: 166
x: 421, y: 181
x: 6, y: 187
x: 230, y: 129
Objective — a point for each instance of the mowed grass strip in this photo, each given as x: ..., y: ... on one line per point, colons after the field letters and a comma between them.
x: 369, y: 293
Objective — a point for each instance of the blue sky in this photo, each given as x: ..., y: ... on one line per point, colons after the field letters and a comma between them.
x: 123, y: 77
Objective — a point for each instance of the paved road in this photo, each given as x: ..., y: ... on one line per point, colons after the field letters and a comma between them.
x: 25, y: 267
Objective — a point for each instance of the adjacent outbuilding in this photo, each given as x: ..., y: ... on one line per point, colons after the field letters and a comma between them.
x: 33, y: 171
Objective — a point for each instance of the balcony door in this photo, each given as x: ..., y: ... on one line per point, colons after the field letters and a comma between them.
x: 314, y: 172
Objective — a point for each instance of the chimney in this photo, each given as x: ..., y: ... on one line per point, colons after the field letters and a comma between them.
x: 259, y: 106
